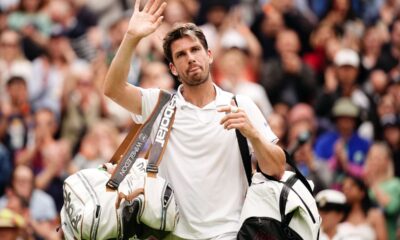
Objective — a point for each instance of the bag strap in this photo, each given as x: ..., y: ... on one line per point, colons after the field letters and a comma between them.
x: 161, y: 139
x: 129, y: 150
x: 244, y: 151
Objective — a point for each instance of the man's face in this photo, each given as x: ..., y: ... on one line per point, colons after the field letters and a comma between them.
x: 347, y: 75
x: 191, y: 62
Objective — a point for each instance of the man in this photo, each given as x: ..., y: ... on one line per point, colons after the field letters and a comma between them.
x: 202, y: 161
x: 42, y: 208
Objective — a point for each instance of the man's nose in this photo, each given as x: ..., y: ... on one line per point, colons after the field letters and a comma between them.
x: 190, y: 57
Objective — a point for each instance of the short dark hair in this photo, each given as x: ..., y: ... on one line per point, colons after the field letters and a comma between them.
x: 15, y: 80
x: 181, y: 31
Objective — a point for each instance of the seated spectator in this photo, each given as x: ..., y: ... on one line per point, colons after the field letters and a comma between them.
x: 343, y: 147
x: 332, y: 208
x: 364, y: 221
x: 383, y: 186
x: 42, y: 209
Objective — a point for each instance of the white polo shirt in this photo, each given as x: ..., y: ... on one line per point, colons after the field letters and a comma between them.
x: 203, y: 164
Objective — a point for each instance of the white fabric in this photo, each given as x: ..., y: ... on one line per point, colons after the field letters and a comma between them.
x: 262, y: 200
x: 89, y: 210
x: 202, y: 163
x: 348, y: 231
x: 154, y: 193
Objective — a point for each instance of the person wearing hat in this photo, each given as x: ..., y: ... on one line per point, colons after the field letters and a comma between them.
x: 343, y: 147
x: 341, y: 81
x: 332, y: 209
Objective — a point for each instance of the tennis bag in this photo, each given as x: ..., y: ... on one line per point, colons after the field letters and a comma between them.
x: 277, y: 209
x: 133, y: 202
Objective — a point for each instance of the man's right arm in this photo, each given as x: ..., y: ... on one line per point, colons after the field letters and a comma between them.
x: 116, y: 86
x: 142, y: 23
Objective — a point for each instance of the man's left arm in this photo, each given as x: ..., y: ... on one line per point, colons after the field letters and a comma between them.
x: 270, y: 157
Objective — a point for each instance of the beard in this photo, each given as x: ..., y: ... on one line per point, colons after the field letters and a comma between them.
x: 197, y: 79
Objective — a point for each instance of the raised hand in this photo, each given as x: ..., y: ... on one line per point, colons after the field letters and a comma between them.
x: 146, y: 21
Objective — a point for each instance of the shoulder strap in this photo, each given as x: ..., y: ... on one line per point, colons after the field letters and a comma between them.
x: 129, y: 150
x: 244, y: 151
x: 161, y: 139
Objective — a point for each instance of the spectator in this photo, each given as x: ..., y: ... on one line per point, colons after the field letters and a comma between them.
x: 97, y: 147
x: 12, y: 59
x: 343, y: 147
x: 17, y: 111
x: 391, y: 135
x: 384, y: 187
x: 42, y: 215
x: 232, y: 68
x: 33, y: 24
x: 389, y: 59
x: 83, y: 104
x: 364, y: 221
x: 332, y: 208
x: 279, y: 126
x: 287, y: 78
x: 342, y: 82
x: 312, y: 168
x: 74, y: 22
x: 43, y: 133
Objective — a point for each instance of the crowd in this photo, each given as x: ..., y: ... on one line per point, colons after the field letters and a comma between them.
x: 330, y: 68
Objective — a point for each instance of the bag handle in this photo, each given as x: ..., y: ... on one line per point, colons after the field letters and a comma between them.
x: 128, y: 151
x: 161, y: 139
x: 246, y: 159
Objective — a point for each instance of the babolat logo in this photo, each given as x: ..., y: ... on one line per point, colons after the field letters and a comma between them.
x: 70, y: 209
x: 166, y: 119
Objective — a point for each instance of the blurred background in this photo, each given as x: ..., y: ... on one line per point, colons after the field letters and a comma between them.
x: 330, y: 68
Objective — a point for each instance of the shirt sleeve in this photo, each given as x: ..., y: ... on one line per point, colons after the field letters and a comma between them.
x: 149, y: 100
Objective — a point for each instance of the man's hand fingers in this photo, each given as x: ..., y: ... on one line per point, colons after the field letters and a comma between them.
x: 226, y: 109
x: 232, y: 123
x: 154, y: 6
x: 136, y: 6
x: 148, y: 6
x: 231, y: 116
x: 160, y: 10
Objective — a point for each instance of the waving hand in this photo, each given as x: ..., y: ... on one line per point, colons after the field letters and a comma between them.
x: 146, y: 21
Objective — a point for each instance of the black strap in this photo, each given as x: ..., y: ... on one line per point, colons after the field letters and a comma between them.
x: 283, y: 198
x: 246, y: 158
x: 141, y: 138
x: 244, y: 151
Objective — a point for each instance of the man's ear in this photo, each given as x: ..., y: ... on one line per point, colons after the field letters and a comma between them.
x: 173, y: 69
x: 210, y: 56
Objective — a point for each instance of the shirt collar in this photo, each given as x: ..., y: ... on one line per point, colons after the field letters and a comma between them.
x: 222, y: 98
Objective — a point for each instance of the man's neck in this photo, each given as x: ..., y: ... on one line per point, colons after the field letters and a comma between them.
x: 199, y: 95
